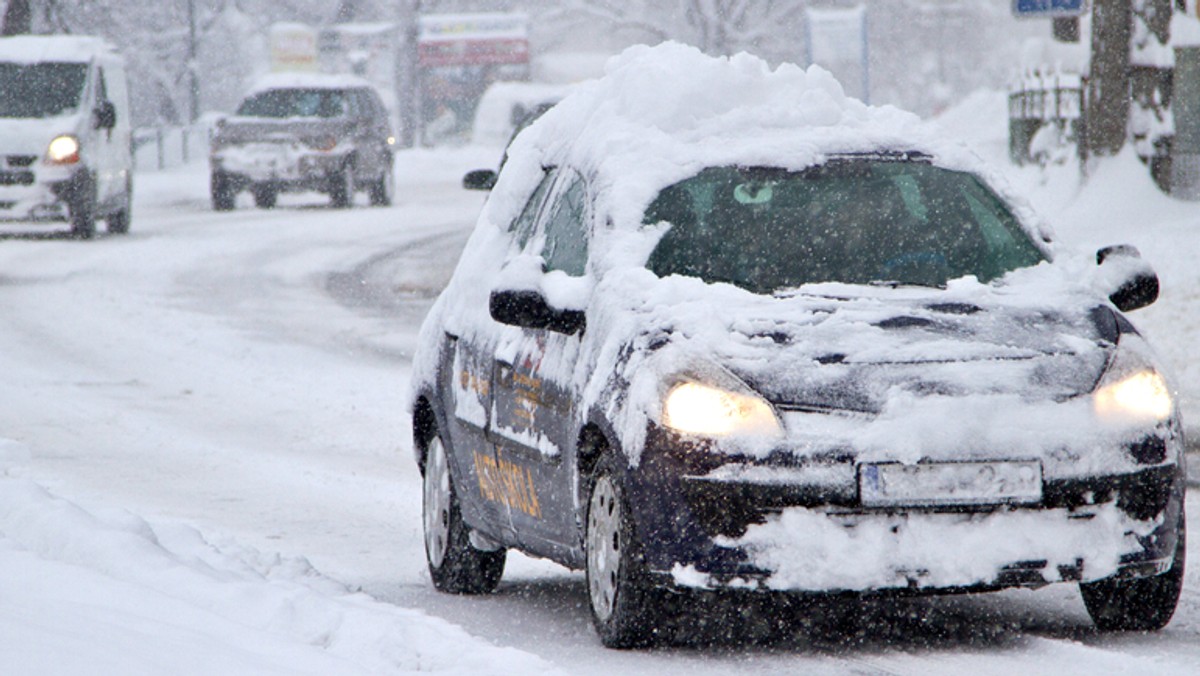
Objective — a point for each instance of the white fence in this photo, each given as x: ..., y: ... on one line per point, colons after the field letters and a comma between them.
x: 166, y: 147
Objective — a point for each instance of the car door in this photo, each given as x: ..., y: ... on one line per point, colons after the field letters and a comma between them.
x: 531, y: 420
x: 467, y: 369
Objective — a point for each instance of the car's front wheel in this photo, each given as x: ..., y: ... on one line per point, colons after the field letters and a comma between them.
x: 82, y: 208
x: 382, y: 190
x: 1141, y: 604
x: 621, y: 597
x: 456, y: 566
x: 341, y: 187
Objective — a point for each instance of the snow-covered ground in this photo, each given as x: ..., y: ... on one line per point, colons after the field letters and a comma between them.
x: 205, y: 465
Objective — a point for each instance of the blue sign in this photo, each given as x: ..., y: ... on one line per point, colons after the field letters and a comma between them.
x: 1038, y: 9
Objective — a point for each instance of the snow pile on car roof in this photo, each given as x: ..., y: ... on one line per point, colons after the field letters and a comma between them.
x: 307, y: 81
x: 662, y: 113
x: 64, y: 48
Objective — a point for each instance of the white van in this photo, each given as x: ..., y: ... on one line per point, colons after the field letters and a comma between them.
x: 65, y: 152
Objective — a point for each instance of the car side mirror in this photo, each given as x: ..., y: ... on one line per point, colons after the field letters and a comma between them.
x: 529, y: 309
x: 105, y: 115
x: 480, y: 179
x: 1131, y: 282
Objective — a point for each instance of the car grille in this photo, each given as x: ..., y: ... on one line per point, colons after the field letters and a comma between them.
x: 21, y: 160
x: 16, y: 178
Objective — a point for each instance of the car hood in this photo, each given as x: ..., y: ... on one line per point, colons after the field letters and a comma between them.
x: 857, y: 351
x: 31, y: 136
x: 242, y: 129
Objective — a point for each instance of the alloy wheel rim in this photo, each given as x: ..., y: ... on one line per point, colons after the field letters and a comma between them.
x: 603, y: 548
x: 436, y: 510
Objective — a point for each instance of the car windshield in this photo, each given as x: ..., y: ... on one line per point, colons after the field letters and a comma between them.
x: 40, y: 89
x: 284, y: 103
x: 858, y: 221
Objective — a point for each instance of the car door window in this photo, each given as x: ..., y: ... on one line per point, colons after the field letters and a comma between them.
x: 566, y: 246
x: 522, y: 227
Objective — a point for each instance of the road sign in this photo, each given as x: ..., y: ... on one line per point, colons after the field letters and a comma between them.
x: 1043, y: 9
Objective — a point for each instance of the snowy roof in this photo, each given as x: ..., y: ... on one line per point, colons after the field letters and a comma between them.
x: 660, y: 114
x: 63, y: 48
x: 307, y: 81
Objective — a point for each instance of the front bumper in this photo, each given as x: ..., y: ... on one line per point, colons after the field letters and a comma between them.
x: 712, y: 521
x: 32, y: 191
x: 285, y: 166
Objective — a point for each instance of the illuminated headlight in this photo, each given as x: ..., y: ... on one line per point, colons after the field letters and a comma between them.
x: 1143, y: 395
x: 63, y: 150
x: 698, y: 409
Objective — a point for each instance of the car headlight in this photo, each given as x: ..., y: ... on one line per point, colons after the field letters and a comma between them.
x: 1142, y: 395
x: 322, y: 143
x: 692, y: 408
x: 63, y: 150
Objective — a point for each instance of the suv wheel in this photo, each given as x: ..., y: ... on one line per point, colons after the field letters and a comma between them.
x: 264, y: 196
x: 223, y: 193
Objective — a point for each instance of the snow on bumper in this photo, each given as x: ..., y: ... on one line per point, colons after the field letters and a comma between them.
x: 36, y: 193
x: 276, y: 162
x: 815, y: 550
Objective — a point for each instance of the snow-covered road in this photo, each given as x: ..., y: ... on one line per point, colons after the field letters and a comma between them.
x: 205, y: 468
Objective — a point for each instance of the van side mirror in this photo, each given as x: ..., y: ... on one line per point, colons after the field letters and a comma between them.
x: 480, y: 179
x: 1132, y: 282
x: 105, y: 115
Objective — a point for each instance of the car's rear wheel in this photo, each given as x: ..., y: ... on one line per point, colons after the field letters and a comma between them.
x: 1140, y: 604
x: 83, y: 209
x: 455, y: 565
x: 382, y: 190
x: 118, y: 222
x: 223, y: 194
x: 265, y: 196
x: 341, y: 187
x: 621, y: 597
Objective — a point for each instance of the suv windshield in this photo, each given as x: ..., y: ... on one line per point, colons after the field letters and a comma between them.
x: 857, y: 221
x: 294, y: 103
x: 40, y: 89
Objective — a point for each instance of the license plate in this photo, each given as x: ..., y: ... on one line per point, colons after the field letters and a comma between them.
x: 950, y: 483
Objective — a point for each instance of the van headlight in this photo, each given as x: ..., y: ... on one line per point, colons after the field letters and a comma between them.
x: 63, y: 150
x: 1132, y: 390
x: 693, y: 408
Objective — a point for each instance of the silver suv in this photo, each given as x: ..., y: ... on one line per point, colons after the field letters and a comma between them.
x: 298, y: 132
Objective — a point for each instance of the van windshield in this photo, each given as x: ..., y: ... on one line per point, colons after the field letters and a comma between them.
x: 40, y: 89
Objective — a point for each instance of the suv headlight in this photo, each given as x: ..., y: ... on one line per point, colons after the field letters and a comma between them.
x: 693, y: 408
x: 1133, y: 391
x: 63, y: 150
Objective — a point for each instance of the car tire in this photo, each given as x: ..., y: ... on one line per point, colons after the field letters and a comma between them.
x: 1140, y: 604
x: 382, y: 190
x: 341, y: 188
x: 118, y: 222
x: 223, y: 193
x: 455, y: 565
x: 625, y: 606
x: 265, y: 196
x: 83, y: 210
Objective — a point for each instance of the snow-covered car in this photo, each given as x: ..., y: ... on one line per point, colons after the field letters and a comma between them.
x: 304, y: 131
x: 65, y: 152
x: 720, y: 327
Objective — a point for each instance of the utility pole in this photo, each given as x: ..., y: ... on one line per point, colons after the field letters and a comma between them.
x: 193, y: 84
x: 408, y: 81
x: 1108, y: 88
